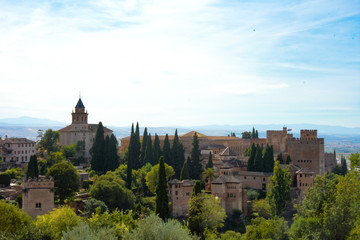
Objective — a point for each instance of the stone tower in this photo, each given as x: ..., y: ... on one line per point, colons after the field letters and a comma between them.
x: 79, y: 117
x: 38, y: 196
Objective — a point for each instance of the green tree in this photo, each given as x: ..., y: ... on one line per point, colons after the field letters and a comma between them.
x: 162, y: 199
x: 152, y: 177
x: 148, y: 155
x: 246, y: 135
x: 195, y: 167
x: 256, y: 134
x: 253, y: 133
x: 166, y: 152
x: 69, y: 150
x: 210, y: 162
x: 143, y: 146
x: 111, y: 189
x: 153, y: 228
x: 13, y: 221
x: 156, y: 150
x: 5, y: 179
x: 288, y: 159
x: 130, y: 154
x: 136, y: 148
x: 32, y: 170
x: 177, y: 154
x: 259, y: 162
x: 49, y: 141
x: 268, y: 160
x: 251, y: 161
x: 84, y: 231
x: 66, y: 180
x: 97, y: 150
x: 261, y: 228
x: 196, y: 188
x: 117, y: 221
x: 280, y: 158
x: 205, y: 212
x: 92, y: 204
x: 279, y: 189
x: 330, y: 209
x: 344, y: 168
x: 354, y: 160
x: 185, y: 171
x: 54, y: 157
x: 111, y: 159
x: 53, y: 224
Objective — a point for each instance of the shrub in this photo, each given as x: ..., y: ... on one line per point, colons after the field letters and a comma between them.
x: 5, y: 179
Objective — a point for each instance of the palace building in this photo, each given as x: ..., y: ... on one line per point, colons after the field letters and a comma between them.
x: 81, y: 130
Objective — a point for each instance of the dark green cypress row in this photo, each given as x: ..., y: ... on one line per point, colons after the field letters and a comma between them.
x: 259, y: 163
x: 113, y: 160
x: 143, y: 146
x: 177, y: 155
x: 167, y: 151
x: 149, y: 155
x: 210, y: 162
x: 130, y: 153
x: 97, y: 150
x: 162, y: 199
x: 195, y: 167
x: 156, y: 150
x: 136, y: 149
x: 251, y: 161
x: 185, y: 170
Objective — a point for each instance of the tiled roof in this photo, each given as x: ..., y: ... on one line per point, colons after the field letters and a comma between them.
x: 16, y: 140
x: 226, y: 179
x: 305, y: 170
x: 228, y: 152
x: 91, y: 128
x: 191, y: 134
x: 254, y: 174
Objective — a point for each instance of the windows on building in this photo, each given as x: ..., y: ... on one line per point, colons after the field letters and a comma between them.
x: 38, y: 205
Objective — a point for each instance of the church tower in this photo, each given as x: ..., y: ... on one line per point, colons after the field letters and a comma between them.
x: 79, y: 117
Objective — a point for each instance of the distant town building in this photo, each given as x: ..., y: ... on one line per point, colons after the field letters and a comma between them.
x: 38, y: 196
x: 16, y: 150
x: 80, y: 130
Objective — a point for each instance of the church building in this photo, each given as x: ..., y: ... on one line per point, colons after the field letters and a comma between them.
x: 80, y: 130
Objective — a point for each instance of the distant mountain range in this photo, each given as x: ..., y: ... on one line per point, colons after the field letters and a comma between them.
x: 343, y: 139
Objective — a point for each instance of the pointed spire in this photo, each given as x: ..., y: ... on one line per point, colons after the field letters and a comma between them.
x: 79, y: 104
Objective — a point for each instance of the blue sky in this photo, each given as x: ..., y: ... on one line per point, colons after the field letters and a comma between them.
x: 182, y: 63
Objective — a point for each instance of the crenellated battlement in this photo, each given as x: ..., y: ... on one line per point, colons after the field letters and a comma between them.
x: 308, y: 133
x: 313, y: 141
x: 41, y: 182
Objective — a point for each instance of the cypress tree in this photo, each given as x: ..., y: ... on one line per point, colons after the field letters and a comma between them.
x: 210, y: 162
x: 136, y: 149
x: 253, y: 134
x: 162, y: 200
x: 196, y: 188
x: 143, y: 146
x: 185, y: 171
x: 344, y: 168
x: 267, y: 160
x: 167, y: 151
x: 156, y: 150
x: 256, y: 134
x: 149, y: 156
x: 259, y: 163
x: 271, y: 154
x: 107, y: 158
x: 280, y: 158
x: 177, y: 155
x: 112, y: 159
x: 32, y: 170
x: 97, y: 150
x: 251, y: 161
x: 130, y: 153
x: 195, y: 167
x: 288, y: 159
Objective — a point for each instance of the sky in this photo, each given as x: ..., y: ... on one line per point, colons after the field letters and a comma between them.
x: 182, y: 63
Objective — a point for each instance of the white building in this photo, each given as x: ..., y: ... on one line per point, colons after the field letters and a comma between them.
x: 17, y: 150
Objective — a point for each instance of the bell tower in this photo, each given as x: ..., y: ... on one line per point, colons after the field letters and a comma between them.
x: 80, y: 116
